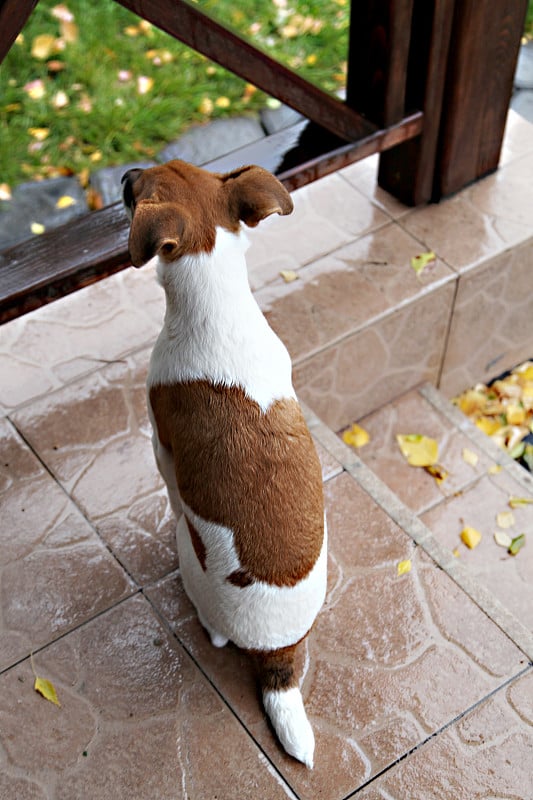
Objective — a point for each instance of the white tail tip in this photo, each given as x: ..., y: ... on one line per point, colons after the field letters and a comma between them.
x: 287, y: 714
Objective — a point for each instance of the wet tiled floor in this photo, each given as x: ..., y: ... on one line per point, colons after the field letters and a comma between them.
x: 418, y: 686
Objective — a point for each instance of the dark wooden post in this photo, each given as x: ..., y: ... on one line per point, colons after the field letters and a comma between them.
x: 484, y: 50
x: 13, y: 16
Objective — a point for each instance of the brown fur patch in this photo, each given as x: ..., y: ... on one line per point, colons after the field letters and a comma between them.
x: 256, y: 473
x: 275, y: 668
x: 197, y: 543
x: 240, y: 578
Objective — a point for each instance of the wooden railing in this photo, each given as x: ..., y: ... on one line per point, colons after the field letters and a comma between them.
x: 428, y: 87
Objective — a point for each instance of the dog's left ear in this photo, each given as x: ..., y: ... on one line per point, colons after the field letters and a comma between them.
x: 254, y: 193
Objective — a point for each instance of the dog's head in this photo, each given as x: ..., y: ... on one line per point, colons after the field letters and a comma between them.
x: 176, y: 208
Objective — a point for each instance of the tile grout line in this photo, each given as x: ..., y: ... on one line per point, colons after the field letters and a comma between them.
x: 72, y: 501
x: 421, y: 535
x: 166, y: 624
x: 442, y: 729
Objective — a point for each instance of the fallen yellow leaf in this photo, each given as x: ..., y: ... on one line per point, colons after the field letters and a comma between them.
x: 144, y: 84
x: 206, y: 106
x: 502, y: 539
x: 517, y: 544
x: 35, y: 89
x: 438, y: 472
x: 404, y: 566
x: 132, y: 30
x: 47, y: 689
x: 61, y: 12
x: 420, y: 451
x: 471, y: 537
x: 39, y: 133
x: 65, y: 201
x: 423, y: 260
x: 470, y: 457
x: 60, y: 99
x: 289, y: 275
x: 5, y: 191
x: 505, y: 519
x: 222, y: 102
x: 356, y: 436
x: 516, y: 502
x: 494, y: 469
x: 516, y: 414
x: 37, y: 228
x: 69, y: 30
x: 456, y: 553
x: 488, y: 425
x: 42, y: 46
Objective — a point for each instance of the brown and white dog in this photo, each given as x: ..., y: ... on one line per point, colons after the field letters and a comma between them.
x: 229, y: 437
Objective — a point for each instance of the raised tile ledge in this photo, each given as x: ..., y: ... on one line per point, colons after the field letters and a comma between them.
x: 419, y: 532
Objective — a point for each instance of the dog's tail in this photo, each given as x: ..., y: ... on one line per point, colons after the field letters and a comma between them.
x: 283, y: 702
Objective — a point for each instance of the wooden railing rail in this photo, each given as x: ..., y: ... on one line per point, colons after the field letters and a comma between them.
x: 428, y: 87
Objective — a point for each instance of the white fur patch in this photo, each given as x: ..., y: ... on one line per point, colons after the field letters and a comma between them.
x: 286, y: 712
x: 214, y: 330
x: 259, y: 616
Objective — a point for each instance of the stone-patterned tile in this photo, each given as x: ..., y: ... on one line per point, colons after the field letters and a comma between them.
x: 364, y: 176
x: 480, y: 222
x: 137, y: 719
x: 42, y: 351
x: 55, y: 573
x: 330, y: 465
x: 376, y: 364
x: 95, y: 436
x: 386, y: 664
x: 509, y: 578
x: 348, y: 290
x: 414, y: 486
x: 488, y: 754
x: 327, y: 214
x: 492, y: 323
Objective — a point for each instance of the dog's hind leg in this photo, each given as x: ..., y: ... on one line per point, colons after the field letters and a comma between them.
x: 283, y: 702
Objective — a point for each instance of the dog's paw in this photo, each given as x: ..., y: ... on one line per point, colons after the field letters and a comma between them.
x: 287, y: 714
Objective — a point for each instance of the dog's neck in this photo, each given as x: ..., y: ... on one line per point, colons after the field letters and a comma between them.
x: 214, y: 330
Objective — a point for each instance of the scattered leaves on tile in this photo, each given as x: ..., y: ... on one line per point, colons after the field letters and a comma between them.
x: 419, y: 450
x: 494, y: 469
x: 404, y: 567
x: 423, y: 260
x: 289, y: 275
x: 356, y: 436
x: 517, y: 502
x: 517, y: 544
x: 504, y: 411
x: 471, y: 537
x: 502, y: 539
x: 470, y: 457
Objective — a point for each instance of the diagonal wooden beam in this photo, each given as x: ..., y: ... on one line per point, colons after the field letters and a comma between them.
x: 13, y: 16
x: 198, y: 30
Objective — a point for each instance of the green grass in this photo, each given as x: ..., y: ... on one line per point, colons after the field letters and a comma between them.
x: 106, y: 120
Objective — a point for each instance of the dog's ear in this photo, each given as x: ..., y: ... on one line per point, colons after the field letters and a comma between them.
x: 254, y: 193
x: 156, y: 228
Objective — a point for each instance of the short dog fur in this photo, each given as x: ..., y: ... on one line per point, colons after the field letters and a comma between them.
x: 229, y: 437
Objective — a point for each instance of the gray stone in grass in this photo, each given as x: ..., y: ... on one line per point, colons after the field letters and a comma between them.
x: 277, y: 119
x: 106, y: 181
x: 36, y: 201
x: 203, y: 143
